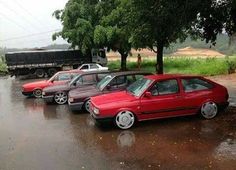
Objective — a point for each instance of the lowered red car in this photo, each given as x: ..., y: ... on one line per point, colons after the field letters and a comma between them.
x: 160, y: 96
x: 61, y: 77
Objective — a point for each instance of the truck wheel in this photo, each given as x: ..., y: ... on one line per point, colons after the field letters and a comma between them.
x: 40, y: 73
x: 51, y: 72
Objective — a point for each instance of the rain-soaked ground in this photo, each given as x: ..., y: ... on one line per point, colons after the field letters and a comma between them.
x: 36, y: 136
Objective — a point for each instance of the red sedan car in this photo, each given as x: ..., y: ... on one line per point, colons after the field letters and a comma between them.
x: 61, y: 77
x: 160, y: 96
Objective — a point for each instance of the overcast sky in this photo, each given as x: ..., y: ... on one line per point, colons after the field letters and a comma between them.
x: 28, y: 23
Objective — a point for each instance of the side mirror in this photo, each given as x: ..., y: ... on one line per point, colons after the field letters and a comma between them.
x: 108, y: 87
x: 148, y: 94
x: 52, y: 81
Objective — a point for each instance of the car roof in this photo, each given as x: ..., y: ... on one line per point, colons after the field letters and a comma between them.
x: 71, y: 71
x: 90, y: 64
x: 95, y: 72
x: 121, y: 73
x: 170, y: 76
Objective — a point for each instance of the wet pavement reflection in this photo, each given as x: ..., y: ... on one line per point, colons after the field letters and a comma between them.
x: 37, y: 136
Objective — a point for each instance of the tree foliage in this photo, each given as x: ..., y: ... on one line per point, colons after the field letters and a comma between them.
x: 94, y: 23
x: 158, y: 23
x: 120, y: 24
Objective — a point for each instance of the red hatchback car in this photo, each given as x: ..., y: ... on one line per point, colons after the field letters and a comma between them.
x: 160, y: 96
x: 61, y: 77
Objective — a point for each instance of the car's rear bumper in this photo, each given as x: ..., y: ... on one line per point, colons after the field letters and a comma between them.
x: 75, y: 106
x: 29, y: 93
x: 223, y: 105
x: 48, y: 99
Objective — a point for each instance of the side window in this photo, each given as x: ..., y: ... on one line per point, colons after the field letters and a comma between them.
x: 62, y: 77
x: 130, y: 79
x: 195, y: 84
x: 139, y: 76
x: 101, y: 76
x: 165, y: 87
x: 73, y: 75
x: 85, y: 67
x: 117, y: 81
x: 93, y: 66
x: 87, y: 79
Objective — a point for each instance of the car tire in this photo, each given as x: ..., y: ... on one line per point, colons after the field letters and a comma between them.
x: 87, y: 104
x: 61, y: 98
x: 124, y: 119
x: 40, y: 73
x: 37, y: 93
x: 209, y: 110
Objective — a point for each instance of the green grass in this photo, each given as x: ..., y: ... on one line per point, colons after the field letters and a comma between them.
x: 198, y: 66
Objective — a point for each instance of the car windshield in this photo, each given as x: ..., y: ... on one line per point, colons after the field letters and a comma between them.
x: 138, y: 87
x: 104, y: 82
x: 74, y: 80
x: 53, y: 77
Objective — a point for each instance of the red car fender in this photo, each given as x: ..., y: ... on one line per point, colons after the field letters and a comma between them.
x: 127, y: 109
x: 205, y: 101
x: 37, y: 88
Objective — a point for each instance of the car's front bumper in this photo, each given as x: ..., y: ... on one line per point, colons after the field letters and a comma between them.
x: 28, y: 93
x: 101, y: 119
x: 76, y: 106
x: 48, y: 99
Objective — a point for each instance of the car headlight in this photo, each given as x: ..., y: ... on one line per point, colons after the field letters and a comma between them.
x: 43, y: 93
x: 96, y: 110
x: 71, y: 99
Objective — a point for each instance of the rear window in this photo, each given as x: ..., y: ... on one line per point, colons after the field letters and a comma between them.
x: 195, y: 84
x: 93, y: 66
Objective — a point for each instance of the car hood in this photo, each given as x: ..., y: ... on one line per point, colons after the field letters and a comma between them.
x: 56, y: 88
x: 112, y: 98
x: 36, y: 84
x: 86, y: 91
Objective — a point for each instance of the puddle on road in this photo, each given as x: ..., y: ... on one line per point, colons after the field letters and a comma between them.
x: 226, y: 150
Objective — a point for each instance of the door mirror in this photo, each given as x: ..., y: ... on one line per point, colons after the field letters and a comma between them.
x: 108, y: 87
x: 148, y: 94
x: 52, y: 81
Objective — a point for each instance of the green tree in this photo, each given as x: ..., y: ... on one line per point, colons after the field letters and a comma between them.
x: 93, y: 23
x: 158, y: 23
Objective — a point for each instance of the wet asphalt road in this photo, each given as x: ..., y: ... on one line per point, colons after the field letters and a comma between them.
x: 36, y: 136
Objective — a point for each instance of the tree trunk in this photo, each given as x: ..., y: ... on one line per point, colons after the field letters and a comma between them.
x: 159, y: 65
x: 124, y: 56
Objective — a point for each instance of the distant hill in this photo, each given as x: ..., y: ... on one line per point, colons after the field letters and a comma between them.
x: 222, y: 45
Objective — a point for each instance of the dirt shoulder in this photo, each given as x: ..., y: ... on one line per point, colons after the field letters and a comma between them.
x: 229, y: 81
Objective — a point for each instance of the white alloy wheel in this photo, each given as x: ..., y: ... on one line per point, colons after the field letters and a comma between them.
x: 61, y: 97
x: 37, y: 93
x: 209, y: 110
x: 87, y: 105
x: 125, y: 119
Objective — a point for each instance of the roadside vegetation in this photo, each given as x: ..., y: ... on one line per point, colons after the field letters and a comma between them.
x: 198, y: 66
x: 3, y: 66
